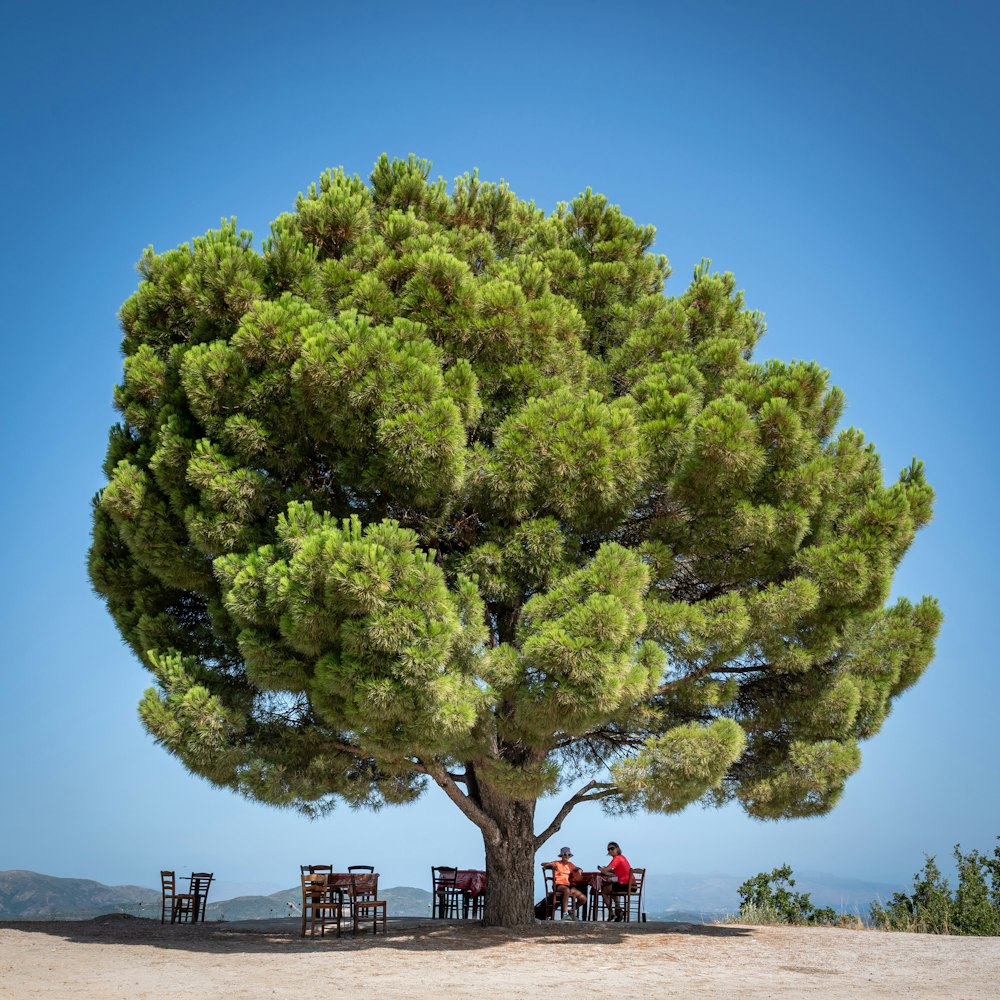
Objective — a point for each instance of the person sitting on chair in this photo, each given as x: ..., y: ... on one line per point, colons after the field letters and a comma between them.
x: 622, y: 870
x: 563, y: 871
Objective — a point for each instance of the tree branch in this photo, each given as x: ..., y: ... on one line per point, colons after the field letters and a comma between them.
x: 605, y: 794
x: 568, y: 806
x: 469, y: 808
x: 706, y: 671
x: 413, y: 763
x: 615, y: 738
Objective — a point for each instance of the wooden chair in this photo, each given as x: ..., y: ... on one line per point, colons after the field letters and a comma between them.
x: 551, y: 902
x: 365, y: 902
x: 320, y: 901
x: 351, y: 869
x: 200, y: 883
x: 445, y: 896
x: 169, y: 898
x: 633, y: 899
x: 189, y: 907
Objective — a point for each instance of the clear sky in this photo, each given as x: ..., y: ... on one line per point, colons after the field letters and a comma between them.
x: 839, y: 158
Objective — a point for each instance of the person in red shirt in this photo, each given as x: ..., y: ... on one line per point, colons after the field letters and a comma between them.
x: 613, y: 891
x: 564, y: 872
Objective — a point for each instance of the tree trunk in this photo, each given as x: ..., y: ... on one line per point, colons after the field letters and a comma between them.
x: 510, y: 860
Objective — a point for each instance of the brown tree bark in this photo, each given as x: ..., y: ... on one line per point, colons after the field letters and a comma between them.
x: 510, y: 860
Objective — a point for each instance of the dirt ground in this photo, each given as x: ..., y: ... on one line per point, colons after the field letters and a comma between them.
x: 112, y: 957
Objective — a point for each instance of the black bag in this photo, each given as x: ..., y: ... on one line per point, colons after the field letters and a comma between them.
x: 543, y: 908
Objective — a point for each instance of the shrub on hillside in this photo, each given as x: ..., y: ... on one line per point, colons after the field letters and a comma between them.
x: 932, y: 908
x: 767, y: 898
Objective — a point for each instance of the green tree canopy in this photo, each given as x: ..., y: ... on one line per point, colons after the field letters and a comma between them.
x: 436, y: 487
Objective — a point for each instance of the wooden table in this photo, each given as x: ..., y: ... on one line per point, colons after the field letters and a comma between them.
x: 340, y: 884
x: 471, y: 882
x: 592, y: 883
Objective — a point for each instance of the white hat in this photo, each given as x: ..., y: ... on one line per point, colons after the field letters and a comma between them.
x: 565, y: 852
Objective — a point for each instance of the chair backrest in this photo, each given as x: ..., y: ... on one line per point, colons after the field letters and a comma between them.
x: 168, y: 894
x: 635, y: 888
x: 314, y: 890
x: 443, y: 877
x: 200, y: 881
x: 549, y: 876
x: 360, y: 868
x: 364, y: 885
x: 313, y: 869
x: 550, y: 889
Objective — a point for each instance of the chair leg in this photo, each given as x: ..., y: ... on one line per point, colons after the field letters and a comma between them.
x: 365, y: 911
x: 181, y: 910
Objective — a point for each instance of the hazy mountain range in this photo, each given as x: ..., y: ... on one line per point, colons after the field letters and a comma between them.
x: 28, y: 895
x: 716, y: 893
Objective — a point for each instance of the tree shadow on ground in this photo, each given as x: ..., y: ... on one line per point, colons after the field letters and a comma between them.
x: 405, y: 934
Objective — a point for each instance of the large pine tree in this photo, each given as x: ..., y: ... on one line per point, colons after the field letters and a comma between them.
x: 436, y: 488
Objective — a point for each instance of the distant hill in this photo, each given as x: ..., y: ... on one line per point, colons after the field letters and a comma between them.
x: 28, y: 895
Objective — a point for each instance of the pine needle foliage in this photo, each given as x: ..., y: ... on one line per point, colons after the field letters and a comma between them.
x: 437, y: 486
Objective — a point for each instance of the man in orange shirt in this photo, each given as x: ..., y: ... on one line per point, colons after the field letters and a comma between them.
x: 562, y: 887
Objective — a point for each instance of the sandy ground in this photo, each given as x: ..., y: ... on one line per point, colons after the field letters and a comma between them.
x: 112, y: 957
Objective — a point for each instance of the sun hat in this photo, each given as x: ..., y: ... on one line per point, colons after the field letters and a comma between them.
x: 565, y: 852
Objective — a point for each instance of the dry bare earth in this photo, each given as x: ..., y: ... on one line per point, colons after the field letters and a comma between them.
x: 111, y: 957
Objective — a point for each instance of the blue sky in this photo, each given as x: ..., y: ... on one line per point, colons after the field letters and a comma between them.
x: 839, y: 158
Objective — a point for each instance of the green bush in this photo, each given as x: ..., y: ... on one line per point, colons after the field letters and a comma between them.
x: 767, y: 899
x: 932, y: 908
